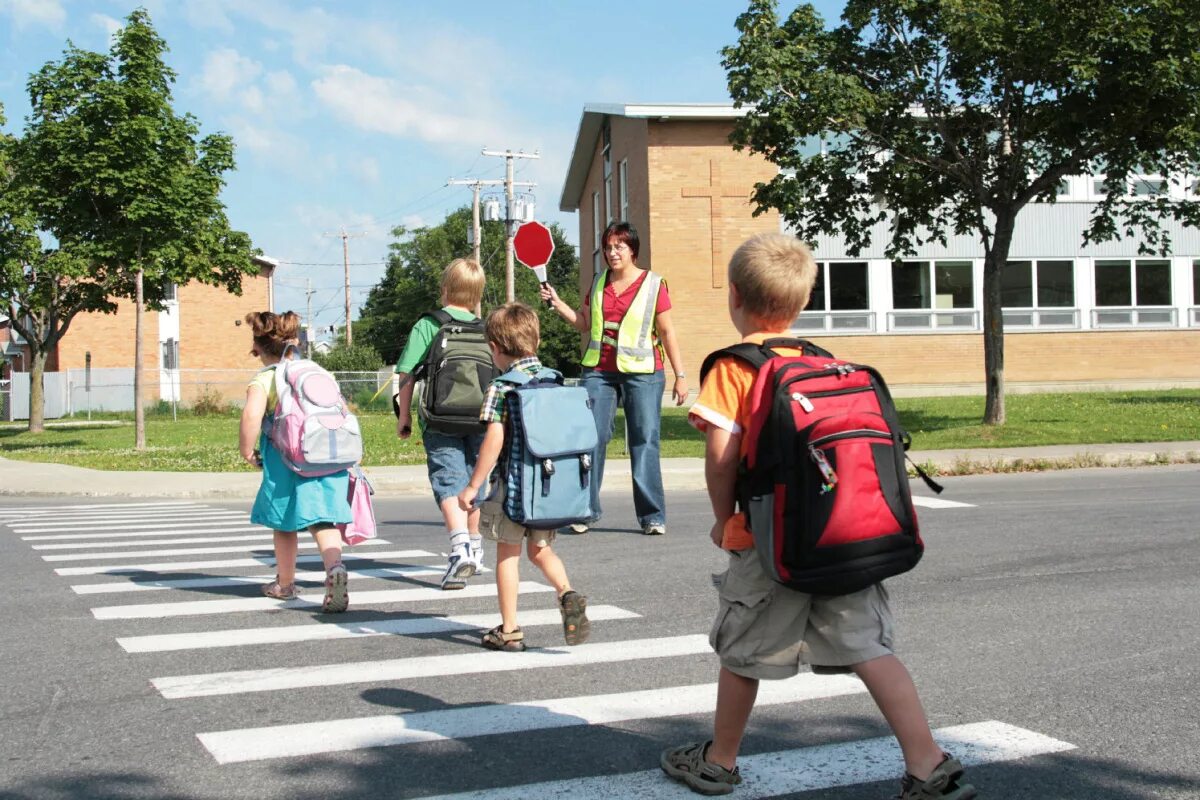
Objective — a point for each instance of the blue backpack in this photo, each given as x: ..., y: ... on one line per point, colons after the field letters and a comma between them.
x: 549, y: 451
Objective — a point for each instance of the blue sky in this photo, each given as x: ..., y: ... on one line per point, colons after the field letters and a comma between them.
x: 355, y: 113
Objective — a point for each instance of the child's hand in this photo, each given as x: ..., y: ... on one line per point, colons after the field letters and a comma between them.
x: 466, y: 498
x: 680, y: 391
x: 717, y: 534
x: 404, y: 426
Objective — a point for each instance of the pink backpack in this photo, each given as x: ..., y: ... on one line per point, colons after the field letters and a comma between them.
x: 362, y: 513
x: 312, y: 427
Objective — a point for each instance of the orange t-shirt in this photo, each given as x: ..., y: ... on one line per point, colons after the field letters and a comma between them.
x: 723, y: 403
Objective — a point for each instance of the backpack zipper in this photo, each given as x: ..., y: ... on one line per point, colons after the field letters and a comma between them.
x: 805, y: 400
x: 851, y: 434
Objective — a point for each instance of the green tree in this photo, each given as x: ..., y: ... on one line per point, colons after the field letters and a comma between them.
x: 411, y: 284
x: 946, y: 116
x: 125, y: 184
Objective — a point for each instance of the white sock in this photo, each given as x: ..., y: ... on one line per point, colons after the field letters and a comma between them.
x: 459, y: 539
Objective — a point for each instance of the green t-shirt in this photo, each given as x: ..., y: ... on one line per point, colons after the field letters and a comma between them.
x: 421, y: 337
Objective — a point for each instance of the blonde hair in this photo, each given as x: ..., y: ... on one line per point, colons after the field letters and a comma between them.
x: 462, y: 283
x: 774, y: 275
x: 514, y: 329
x: 273, y: 332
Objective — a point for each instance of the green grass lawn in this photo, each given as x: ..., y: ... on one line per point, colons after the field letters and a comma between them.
x: 209, y: 444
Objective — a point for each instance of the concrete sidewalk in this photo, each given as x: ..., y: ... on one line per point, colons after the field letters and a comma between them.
x: 679, y: 474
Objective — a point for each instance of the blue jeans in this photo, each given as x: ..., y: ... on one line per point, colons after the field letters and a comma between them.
x: 641, y: 398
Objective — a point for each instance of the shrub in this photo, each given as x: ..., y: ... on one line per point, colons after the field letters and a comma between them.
x: 210, y: 403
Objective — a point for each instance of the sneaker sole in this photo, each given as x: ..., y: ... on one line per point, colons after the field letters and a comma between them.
x: 337, y: 598
x: 451, y: 585
x: 695, y: 784
x: 464, y: 570
x: 576, y: 626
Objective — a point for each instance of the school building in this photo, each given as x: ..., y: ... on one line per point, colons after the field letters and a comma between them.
x: 1099, y: 316
x: 196, y: 344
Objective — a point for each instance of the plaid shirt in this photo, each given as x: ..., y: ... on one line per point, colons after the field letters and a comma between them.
x: 494, y: 408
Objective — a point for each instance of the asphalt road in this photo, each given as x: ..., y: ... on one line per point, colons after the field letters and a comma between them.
x: 1051, y: 628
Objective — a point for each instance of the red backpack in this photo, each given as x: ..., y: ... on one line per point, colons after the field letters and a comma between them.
x: 822, y: 481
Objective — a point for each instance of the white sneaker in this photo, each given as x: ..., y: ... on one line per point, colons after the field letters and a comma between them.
x: 459, y: 568
x: 476, y: 552
x: 579, y: 527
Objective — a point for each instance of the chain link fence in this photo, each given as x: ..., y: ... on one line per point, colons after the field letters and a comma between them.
x: 6, y: 409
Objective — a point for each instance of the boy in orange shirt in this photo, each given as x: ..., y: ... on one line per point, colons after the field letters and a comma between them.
x: 764, y: 629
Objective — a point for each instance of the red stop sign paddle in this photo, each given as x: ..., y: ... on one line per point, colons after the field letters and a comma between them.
x: 533, y: 247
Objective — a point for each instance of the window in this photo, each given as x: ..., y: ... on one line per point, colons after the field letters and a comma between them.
x: 170, y: 291
x: 608, y: 214
x: 1133, y: 293
x: 597, y: 230
x: 1149, y: 186
x: 623, y: 188
x: 945, y: 288
x: 1039, y: 294
x: 1196, y: 292
x: 840, y: 300
x: 170, y: 354
x: 1064, y: 188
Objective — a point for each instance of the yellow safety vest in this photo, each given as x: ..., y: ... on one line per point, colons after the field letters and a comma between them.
x: 634, y: 334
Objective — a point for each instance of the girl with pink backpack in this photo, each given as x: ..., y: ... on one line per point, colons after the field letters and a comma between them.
x: 289, y: 500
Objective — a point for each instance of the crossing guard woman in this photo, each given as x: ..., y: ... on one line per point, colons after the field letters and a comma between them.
x: 627, y: 317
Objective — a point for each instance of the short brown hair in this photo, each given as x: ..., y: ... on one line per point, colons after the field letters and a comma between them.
x: 514, y: 329
x: 273, y: 332
x: 462, y: 282
x: 774, y: 275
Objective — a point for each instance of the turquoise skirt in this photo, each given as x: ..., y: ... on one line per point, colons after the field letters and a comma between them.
x: 289, y: 502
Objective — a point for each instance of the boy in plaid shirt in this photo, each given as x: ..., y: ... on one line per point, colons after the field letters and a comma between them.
x: 513, y: 334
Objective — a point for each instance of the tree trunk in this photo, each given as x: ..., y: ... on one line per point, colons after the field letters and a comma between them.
x: 993, y: 320
x: 139, y: 413
x: 37, y: 389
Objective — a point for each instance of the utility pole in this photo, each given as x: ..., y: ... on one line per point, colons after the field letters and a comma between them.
x: 308, y: 320
x: 476, y: 230
x: 346, y: 237
x: 508, y: 156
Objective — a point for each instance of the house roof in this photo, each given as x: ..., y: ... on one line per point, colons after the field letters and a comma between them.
x: 592, y: 122
x: 266, y: 264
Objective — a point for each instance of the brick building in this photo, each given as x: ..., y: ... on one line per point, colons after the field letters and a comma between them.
x: 670, y: 171
x: 198, y: 341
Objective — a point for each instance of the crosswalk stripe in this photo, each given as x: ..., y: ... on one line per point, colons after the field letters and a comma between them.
x: 938, y: 502
x: 199, y: 521
x: 188, y: 551
x: 312, y: 576
x: 67, y: 509
x: 264, y: 534
x: 266, y: 559
x: 257, y: 744
x: 63, y: 537
x: 239, y: 637
x: 804, y: 769
x: 344, y: 673
x: 192, y: 608
x: 136, y: 514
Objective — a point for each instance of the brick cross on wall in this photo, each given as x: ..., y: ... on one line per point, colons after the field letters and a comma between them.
x: 716, y: 192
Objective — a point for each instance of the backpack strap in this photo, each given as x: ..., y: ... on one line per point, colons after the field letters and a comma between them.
x: 758, y: 354
x: 438, y: 315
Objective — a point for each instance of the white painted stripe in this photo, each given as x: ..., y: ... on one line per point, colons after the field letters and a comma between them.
x: 63, y: 537
x: 194, y: 608
x: 801, y: 770
x: 189, y: 551
x: 329, y: 736
x: 937, y: 502
x: 200, y: 521
x: 311, y: 577
x: 102, y: 518
x: 398, y: 669
x: 250, y: 537
x: 70, y: 508
x: 308, y: 632
x: 267, y: 559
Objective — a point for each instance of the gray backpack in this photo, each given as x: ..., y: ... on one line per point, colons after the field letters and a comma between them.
x: 456, y: 372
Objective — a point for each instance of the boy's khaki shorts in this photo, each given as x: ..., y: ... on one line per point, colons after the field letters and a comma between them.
x: 765, y: 630
x: 494, y: 525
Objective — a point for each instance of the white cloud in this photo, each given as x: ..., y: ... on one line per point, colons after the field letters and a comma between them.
x: 281, y: 88
x: 29, y: 13
x: 382, y: 105
x: 225, y: 70
x: 105, y: 22
x: 366, y: 168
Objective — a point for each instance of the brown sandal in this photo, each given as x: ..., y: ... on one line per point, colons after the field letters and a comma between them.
x: 278, y: 591
x: 510, y: 642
